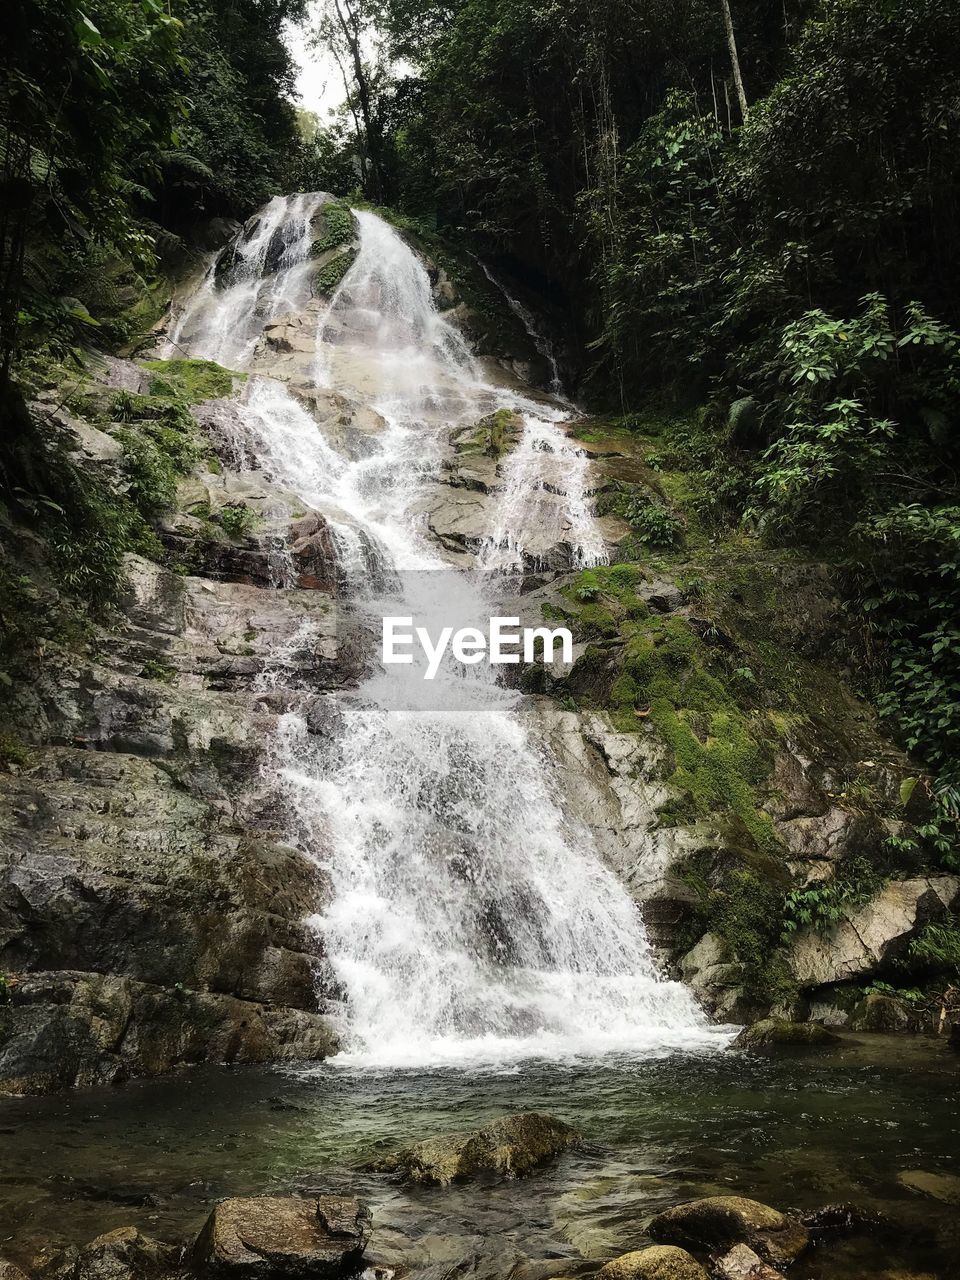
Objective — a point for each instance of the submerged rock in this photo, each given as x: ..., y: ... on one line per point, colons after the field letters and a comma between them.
x: 772, y: 1034
x: 723, y: 1221
x: 658, y: 1262
x: 263, y: 1236
x: 510, y: 1146
x: 941, y: 1186
x: 741, y: 1263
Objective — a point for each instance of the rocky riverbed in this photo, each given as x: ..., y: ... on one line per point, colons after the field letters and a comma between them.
x: 870, y: 1124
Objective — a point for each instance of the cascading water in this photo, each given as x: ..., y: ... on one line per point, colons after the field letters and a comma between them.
x: 541, y: 343
x: 469, y: 919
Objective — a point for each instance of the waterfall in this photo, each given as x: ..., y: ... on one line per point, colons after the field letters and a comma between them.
x: 469, y: 918
x: 541, y: 343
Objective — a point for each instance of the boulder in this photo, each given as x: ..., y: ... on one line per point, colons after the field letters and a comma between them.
x: 313, y: 553
x: 877, y: 1012
x: 723, y: 1221
x: 658, y: 1262
x: 714, y: 980
x: 510, y: 1146
x: 741, y: 1263
x: 874, y: 934
x: 267, y: 1236
x: 771, y: 1035
x: 123, y: 1254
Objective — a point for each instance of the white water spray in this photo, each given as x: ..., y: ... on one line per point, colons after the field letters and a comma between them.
x: 469, y: 919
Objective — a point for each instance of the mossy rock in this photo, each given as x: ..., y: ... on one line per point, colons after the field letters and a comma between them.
x: 191, y: 381
x: 332, y: 266
x: 773, y: 1034
x: 511, y: 1146
x: 879, y: 1012
x: 658, y: 1262
x: 723, y: 1221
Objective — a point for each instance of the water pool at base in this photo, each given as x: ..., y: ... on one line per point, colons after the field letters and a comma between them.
x: 799, y: 1133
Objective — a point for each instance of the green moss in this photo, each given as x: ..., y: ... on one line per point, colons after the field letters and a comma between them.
x: 14, y: 752
x: 339, y: 227
x: 157, y: 669
x: 740, y: 898
x: 665, y: 675
x: 329, y: 276
x: 191, y: 381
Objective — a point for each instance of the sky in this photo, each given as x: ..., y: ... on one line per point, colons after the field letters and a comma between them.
x: 319, y: 87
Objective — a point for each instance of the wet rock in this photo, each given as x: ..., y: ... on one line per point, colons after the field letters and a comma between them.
x: 716, y: 982
x: 510, y: 1146
x: 872, y: 935
x: 267, y: 1236
x: 741, y: 1263
x: 877, y: 1012
x: 123, y: 1254
x: 10, y: 1271
x: 723, y: 1221
x: 313, y: 554
x: 773, y: 1034
x: 66, y: 1029
x: 940, y: 1186
x: 658, y: 1262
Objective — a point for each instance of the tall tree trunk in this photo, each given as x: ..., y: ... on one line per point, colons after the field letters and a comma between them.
x: 734, y: 58
x: 350, y: 28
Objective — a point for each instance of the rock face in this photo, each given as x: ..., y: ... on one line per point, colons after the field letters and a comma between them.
x: 67, y: 1028
x: 771, y: 1035
x: 150, y: 912
x: 272, y: 1237
x: 659, y: 1262
x: 875, y: 933
x: 723, y: 1221
x: 511, y: 1146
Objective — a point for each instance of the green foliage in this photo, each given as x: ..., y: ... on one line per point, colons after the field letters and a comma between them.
x: 824, y: 903
x: 13, y: 752
x: 654, y: 524
x: 340, y: 228
x: 936, y: 947
x: 237, y: 519
x: 158, y: 669
x: 160, y: 444
x: 191, y: 381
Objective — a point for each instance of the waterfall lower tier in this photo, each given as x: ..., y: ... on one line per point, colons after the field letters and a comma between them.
x: 469, y: 918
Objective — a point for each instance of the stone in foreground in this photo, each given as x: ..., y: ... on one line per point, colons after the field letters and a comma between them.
x: 772, y: 1034
x: 658, y: 1262
x: 741, y: 1263
x: 510, y: 1146
x: 121, y: 1254
x: 271, y: 1236
x: 724, y: 1221
x: 10, y: 1271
